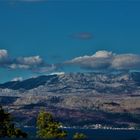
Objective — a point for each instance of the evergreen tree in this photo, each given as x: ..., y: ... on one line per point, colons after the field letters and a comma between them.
x: 7, y: 127
x: 48, y: 128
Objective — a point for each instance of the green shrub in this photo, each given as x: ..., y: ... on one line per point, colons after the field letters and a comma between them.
x: 79, y: 136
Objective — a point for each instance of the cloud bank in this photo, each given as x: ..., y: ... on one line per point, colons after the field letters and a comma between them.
x: 33, y: 63
x: 105, y: 60
x: 100, y: 61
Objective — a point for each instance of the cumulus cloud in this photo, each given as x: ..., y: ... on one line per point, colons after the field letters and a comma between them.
x: 82, y: 36
x: 33, y: 63
x: 105, y: 60
x: 126, y: 62
x: 32, y: 60
x: 101, y: 60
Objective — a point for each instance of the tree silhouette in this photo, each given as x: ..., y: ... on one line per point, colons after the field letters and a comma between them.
x: 7, y: 127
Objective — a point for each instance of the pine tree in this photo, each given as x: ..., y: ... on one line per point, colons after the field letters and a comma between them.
x: 48, y: 128
x: 7, y: 127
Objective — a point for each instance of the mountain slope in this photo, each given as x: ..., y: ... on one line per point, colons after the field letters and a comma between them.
x: 76, y: 98
x: 80, y: 82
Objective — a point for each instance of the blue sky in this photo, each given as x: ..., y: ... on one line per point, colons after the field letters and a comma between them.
x: 44, y: 36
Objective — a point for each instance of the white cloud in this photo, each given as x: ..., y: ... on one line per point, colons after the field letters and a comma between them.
x: 98, y: 55
x: 126, y: 61
x: 3, y: 54
x: 33, y: 63
x: 103, y: 54
x: 17, y: 79
x: 32, y: 60
x: 104, y: 60
x: 26, y: 62
x: 99, y: 60
x: 57, y: 73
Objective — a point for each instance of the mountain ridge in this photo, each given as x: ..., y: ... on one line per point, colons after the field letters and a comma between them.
x: 87, y: 81
x: 76, y: 98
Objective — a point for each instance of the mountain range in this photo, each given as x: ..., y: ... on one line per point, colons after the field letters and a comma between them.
x: 77, y: 99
